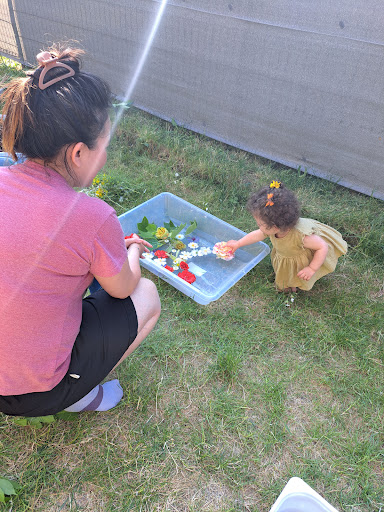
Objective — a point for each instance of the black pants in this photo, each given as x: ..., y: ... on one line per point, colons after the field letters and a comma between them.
x: 108, y: 328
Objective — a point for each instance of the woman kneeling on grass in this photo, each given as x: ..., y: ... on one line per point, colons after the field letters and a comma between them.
x: 55, y: 346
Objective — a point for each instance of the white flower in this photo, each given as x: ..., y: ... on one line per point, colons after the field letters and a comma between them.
x: 160, y: 261
x: 174, y: 250
x: 200, y: 253
x: 184, y: 255
x: 148, y: 255
x: 193, y: 245
x: 193, y: 253
x: 176, y: 174
x: 179, y: 236
x: 175, y: 267
x: 205, y: 251
x: 177, y: 261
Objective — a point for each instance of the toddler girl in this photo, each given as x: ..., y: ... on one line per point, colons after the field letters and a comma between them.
x: 303, y: 249
x: 55, y: 347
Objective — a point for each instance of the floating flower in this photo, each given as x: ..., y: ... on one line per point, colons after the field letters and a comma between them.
x: 161, y: 254
x: 193, y: 245
x: 162, y: 233
x: 160, y: 261
x: 223, y: 251
x: 177, y: 261
x: 187, y: 276
x: 205, y: 251
x: 275, y: 184
x: 180, y: 236
x: 193, y: 253
x: 184, y: 265
x: 148, y: 255
x: 169, y: 268
x: 180, y: 245
x: 175, y: 267
x: 184, y: 255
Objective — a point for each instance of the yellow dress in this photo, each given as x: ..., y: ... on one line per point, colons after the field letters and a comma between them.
x: 289, y: 256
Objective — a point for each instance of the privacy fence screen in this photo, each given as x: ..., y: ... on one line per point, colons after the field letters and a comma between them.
x: 297, y: 81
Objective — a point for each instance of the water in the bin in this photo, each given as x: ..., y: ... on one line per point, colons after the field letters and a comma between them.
x: 303, y: 503
x: 218, y: 273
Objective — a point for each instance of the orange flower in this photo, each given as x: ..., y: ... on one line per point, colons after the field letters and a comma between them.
x: 275, y: 184
x: 269, y: 202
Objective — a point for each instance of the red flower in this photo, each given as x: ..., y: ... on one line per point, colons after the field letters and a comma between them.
x: 161, y: 254
x: 187, y: 276
x: 169, y: 268
x: 130, y: 236
x: 184, y: 265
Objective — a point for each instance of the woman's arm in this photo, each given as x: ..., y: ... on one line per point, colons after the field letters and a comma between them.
x: 250, y: 238
x: 320, y: 248
x: 124, y: 283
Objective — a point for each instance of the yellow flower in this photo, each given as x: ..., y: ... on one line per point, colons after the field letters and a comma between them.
x: 275, y: 184
x: 162, y: 233
x: 100, y: 192
x: 180, y: 245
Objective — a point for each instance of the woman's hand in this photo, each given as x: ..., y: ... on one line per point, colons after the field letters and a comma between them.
x: 306, y: 273
x: 142, y: 244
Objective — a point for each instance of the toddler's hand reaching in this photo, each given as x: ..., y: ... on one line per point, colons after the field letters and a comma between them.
x: 233, y: 244
x: 306, y: 273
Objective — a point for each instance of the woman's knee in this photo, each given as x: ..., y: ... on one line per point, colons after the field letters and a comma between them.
x: 146, y: 298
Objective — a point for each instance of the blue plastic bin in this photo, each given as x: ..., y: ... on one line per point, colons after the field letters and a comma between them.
x: 6, y: 159
x: 297, y: 496
x: 217, y: 275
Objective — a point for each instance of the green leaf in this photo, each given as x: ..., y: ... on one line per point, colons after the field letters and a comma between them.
x: 2, y: 497
x: 173, y: 123
x: 66, y: 416
x: 23, y: 422
x: 191, y: 228
x: 35, y: 422
x: 151, y: 228
x: 47, y: 419
x: 177, y: 231
x: 169, y: 225
x: 142, y: 226
x: 7, y: 487
x: 148, y: 237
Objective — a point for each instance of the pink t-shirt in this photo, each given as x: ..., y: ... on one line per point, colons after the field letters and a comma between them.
x: 52, y: 241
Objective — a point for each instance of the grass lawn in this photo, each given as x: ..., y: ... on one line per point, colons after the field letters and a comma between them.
x: 224, y: 403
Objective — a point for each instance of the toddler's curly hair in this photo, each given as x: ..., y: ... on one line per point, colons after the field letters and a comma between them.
x: 284, y: 212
